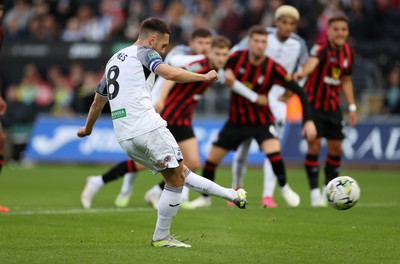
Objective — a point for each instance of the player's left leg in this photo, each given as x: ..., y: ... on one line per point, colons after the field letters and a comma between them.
x: 333, y: 160
x: 271, y: 147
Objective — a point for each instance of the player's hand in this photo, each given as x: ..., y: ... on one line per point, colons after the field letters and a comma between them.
x: 83, y: 132
x: 211, y: 76
x: 309, y: 130
x: 230, y: 77
x: 262, y: 100
x: 297, y: 76
x: 159, y: 106
x: 286, y: 96
x: 353, y: 118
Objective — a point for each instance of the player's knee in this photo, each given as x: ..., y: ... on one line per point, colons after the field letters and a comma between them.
x: 193, y: 165
x: 175, y: 180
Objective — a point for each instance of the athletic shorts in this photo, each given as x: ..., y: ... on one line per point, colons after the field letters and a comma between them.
x: 156, y: 150
x: 181, y: 133
x: 232, y: 135
x: 330, y: 125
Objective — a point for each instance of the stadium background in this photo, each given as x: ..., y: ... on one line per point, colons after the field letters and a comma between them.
x: 54, y: 51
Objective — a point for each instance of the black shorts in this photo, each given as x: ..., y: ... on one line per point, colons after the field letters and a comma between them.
x: 232, y: 135
x: 330, y: 125
x: 181, y: 133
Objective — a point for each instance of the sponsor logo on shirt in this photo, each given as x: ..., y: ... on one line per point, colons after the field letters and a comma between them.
x: 118, y: 113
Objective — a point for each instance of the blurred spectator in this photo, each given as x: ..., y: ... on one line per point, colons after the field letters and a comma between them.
x: 228, y: 11
x: 173, y: 16
x: 253, y: 14
x: 268, y: 16
x: 25, y: 100
x: 361, y: 22
x: 92, y: 28
x: 136, y: 14
x: 84, y: 93
x: 392, y: 101
x: 16, y: 19
x: 332, y: 7
x: 72, y: 31
x: 112, y: 16
x: 62, y: 92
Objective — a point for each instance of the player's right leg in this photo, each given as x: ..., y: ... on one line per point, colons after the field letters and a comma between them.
x: 269, y: 185
x: 214, y: 158
x: 311, y: 165
x: 239, y: 163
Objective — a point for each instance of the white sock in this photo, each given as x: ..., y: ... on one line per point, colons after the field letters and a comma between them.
x: 239, y: 164
x: 127, y: 184
x: 269, y: 179
x: 315, y: 193
x: 167, y: 208
x: 98, y: 181
x: 203, y: 185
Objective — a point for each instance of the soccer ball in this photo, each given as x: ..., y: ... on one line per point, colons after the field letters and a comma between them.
x: 343, y: 192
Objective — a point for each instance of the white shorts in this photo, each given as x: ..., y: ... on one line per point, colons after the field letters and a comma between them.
x: 157, y: 150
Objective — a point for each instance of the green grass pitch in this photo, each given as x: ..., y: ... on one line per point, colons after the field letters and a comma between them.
x: 47, y: 224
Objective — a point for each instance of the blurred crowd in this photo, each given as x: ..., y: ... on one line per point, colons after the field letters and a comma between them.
x: 371, y: 21
x: 374, y: 30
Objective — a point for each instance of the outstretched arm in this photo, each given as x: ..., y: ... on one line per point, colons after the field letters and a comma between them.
x: 94, y: 113
x: 183, y: 76
x: 229, y: 79
x: 307, y: 68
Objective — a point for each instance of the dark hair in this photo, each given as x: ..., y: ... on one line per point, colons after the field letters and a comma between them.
x: 200, y: 33
x: 153, y: 25
x: 220, y: 42
x: 338, y: 17
x: 257, y: 29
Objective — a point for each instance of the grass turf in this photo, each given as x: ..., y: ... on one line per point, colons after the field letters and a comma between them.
x: 47, y: 225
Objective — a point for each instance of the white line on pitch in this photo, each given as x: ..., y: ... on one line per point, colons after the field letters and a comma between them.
x: 377, y: 204
x: 82, y: 211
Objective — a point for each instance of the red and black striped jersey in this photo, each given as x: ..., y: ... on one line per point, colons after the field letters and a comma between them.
x: 258, y: 78
x: 183, y: 97
x: 323, y: 85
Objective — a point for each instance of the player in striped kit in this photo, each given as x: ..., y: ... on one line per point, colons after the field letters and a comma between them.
x: 290, y: 51
x: 249, y: 120
x: 329, y: 73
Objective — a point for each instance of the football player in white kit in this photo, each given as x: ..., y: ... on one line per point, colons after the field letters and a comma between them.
x: 290, y: 51
x: 199, y: 43
x: 126, y: 84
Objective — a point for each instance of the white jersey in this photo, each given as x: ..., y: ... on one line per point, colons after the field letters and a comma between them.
x: 291, y: 54
x: 178, y: 50
x: 127, y: 82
